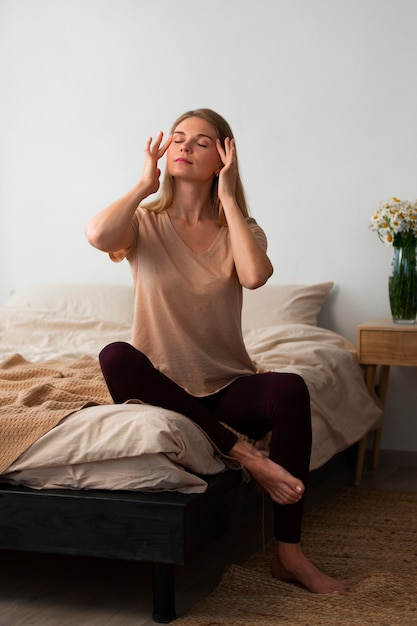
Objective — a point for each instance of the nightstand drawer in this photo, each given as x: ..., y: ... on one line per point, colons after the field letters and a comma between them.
x: 387, y: 347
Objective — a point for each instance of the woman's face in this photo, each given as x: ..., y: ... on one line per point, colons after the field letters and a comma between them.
x: 193, y: 154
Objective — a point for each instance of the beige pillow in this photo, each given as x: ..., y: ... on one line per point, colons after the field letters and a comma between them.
x: 113, y: 303
x: 266, y: 306
x: 119, y: 446
x: 148, y: 472
x: 283, y: 304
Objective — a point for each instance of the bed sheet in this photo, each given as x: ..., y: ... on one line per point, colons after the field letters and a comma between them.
x: 342, y: 411
x: 341, y: 408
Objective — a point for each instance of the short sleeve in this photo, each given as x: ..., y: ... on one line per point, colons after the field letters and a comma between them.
x: 257, y: 232
x: 119, y: 255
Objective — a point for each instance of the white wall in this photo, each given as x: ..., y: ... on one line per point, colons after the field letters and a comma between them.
x: 321, y: 96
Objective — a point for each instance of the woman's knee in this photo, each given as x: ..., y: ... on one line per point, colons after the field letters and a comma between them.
x: 286, y: 388
x: 112, y: 353
x: 297, y: 386
x: 121, y: 355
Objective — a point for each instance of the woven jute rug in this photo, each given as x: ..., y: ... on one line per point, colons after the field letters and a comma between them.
x: 368, y: 539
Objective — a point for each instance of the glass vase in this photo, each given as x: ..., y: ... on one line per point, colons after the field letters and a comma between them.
x: 403, y: 284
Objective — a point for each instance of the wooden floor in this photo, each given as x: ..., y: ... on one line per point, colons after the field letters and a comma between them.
x: 44, y: 590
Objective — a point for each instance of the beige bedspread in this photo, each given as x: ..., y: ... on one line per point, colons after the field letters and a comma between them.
x: 34, y: 397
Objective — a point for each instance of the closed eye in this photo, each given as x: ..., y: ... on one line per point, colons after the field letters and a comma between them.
x: 201, y: 140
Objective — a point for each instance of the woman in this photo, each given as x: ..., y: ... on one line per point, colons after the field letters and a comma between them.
x: 191, y: 251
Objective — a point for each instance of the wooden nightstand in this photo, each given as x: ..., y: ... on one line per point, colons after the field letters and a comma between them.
x: 380, y: 344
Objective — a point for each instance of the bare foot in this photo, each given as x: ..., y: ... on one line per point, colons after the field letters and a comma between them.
x: 282, y: 486
x: 291, y: 565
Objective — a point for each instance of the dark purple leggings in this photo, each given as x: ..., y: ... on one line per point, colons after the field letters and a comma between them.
x: 252, y: 405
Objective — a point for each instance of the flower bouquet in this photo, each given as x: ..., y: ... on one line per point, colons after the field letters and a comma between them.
x: 395, y: 222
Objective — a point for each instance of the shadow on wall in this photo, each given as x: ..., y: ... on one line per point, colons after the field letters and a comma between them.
x: 327, y: 317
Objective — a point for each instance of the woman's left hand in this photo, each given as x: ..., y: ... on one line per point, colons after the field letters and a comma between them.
x: 229, y: 171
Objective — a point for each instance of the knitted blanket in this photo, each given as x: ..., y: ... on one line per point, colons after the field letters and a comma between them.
x: 35, y: 397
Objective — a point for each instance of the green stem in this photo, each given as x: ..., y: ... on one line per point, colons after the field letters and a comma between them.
x: 403, y: 282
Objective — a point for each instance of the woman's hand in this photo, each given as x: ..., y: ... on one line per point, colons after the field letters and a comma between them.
x: 151, y: 172
x: 110, y: 230
x: 252, y: 264
x: 229, y: 171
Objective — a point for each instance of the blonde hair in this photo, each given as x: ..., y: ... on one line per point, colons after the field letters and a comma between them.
x: 166, y: 195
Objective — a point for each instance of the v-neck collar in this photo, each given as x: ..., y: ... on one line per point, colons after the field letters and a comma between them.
x: 186, y: 246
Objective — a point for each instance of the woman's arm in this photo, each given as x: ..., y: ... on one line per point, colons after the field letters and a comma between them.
x: 252, y: 264
x: 110, y: 230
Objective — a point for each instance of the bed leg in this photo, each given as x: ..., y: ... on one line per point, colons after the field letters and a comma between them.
x: 163, y: 593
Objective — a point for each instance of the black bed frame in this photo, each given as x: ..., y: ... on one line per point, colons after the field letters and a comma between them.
x: 164, y: 528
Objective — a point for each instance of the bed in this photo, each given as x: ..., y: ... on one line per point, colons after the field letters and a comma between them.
x: 79, y: 475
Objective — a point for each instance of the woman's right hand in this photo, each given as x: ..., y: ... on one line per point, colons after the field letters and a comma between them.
x: 110, y: 230
x: 151, y: 172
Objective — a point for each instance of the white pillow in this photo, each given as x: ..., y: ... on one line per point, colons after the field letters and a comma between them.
x: 283, y: 304
x: 113, y: 303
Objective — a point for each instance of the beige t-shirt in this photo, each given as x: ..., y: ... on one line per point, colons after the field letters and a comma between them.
x: 187, y: 317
